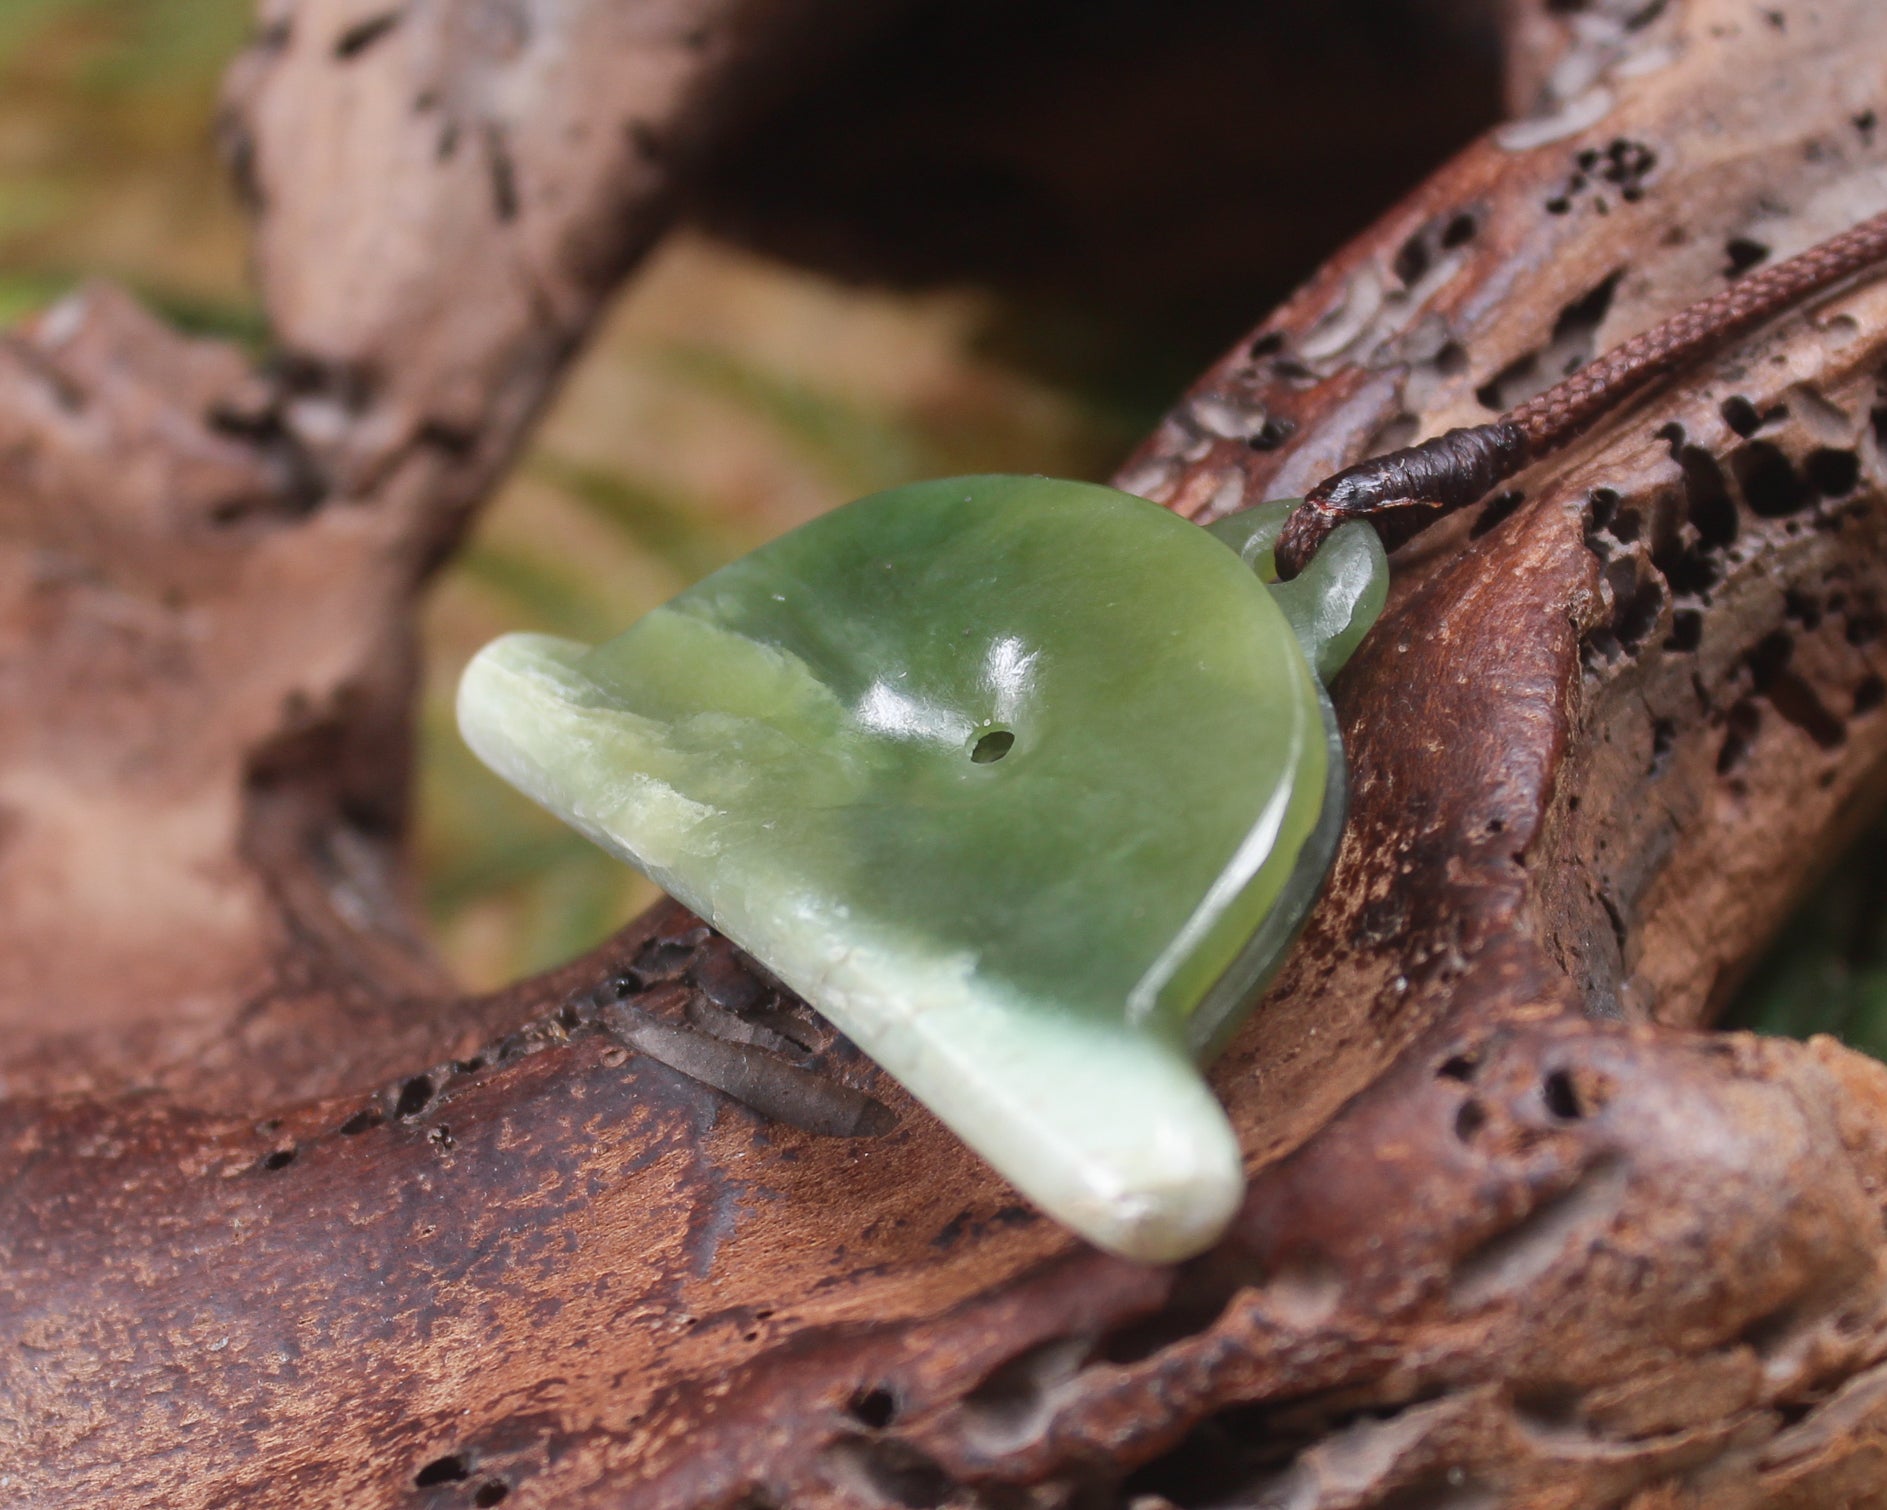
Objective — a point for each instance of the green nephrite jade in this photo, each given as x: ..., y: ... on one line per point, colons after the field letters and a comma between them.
x: 1025, y: 784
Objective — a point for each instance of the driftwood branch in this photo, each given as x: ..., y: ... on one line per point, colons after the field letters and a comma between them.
x: 286, y: 1221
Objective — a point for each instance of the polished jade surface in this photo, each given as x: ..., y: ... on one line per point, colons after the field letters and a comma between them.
x: 1024, y: 783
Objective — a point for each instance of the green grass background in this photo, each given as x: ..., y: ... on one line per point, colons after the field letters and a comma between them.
x: 727, y: 399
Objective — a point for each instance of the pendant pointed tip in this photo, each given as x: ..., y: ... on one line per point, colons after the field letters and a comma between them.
x: 504, y: 694
x: 1170, y: 1224
x: 1110, y: 1130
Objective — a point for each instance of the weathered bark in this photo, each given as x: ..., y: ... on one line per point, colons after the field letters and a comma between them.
x: 286, y: 1222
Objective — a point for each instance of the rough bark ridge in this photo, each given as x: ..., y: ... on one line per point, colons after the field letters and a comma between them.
x: 287, y: 1223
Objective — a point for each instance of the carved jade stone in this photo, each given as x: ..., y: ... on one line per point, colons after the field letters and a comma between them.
x: 1025, y: 784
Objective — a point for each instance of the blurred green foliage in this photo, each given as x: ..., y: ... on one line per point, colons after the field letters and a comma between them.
x: 727, y: 400
x: 1827, y: 972
x: 106, y: 167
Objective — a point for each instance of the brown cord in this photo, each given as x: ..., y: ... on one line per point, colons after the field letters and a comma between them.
x: 1455, y: 469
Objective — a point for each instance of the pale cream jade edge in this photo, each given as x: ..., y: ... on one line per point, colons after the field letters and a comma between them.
x: 1114, y: 1134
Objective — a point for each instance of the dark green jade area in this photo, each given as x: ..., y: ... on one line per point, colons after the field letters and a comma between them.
x: 1042, y: 724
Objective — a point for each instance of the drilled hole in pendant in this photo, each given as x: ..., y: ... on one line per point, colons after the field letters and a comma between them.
x: 991, y: 746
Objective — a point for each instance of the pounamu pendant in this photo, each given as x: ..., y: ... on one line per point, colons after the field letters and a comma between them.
x: 1025, y: 784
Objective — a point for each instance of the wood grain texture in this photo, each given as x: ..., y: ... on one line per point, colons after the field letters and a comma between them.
x: 285, y: 1222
